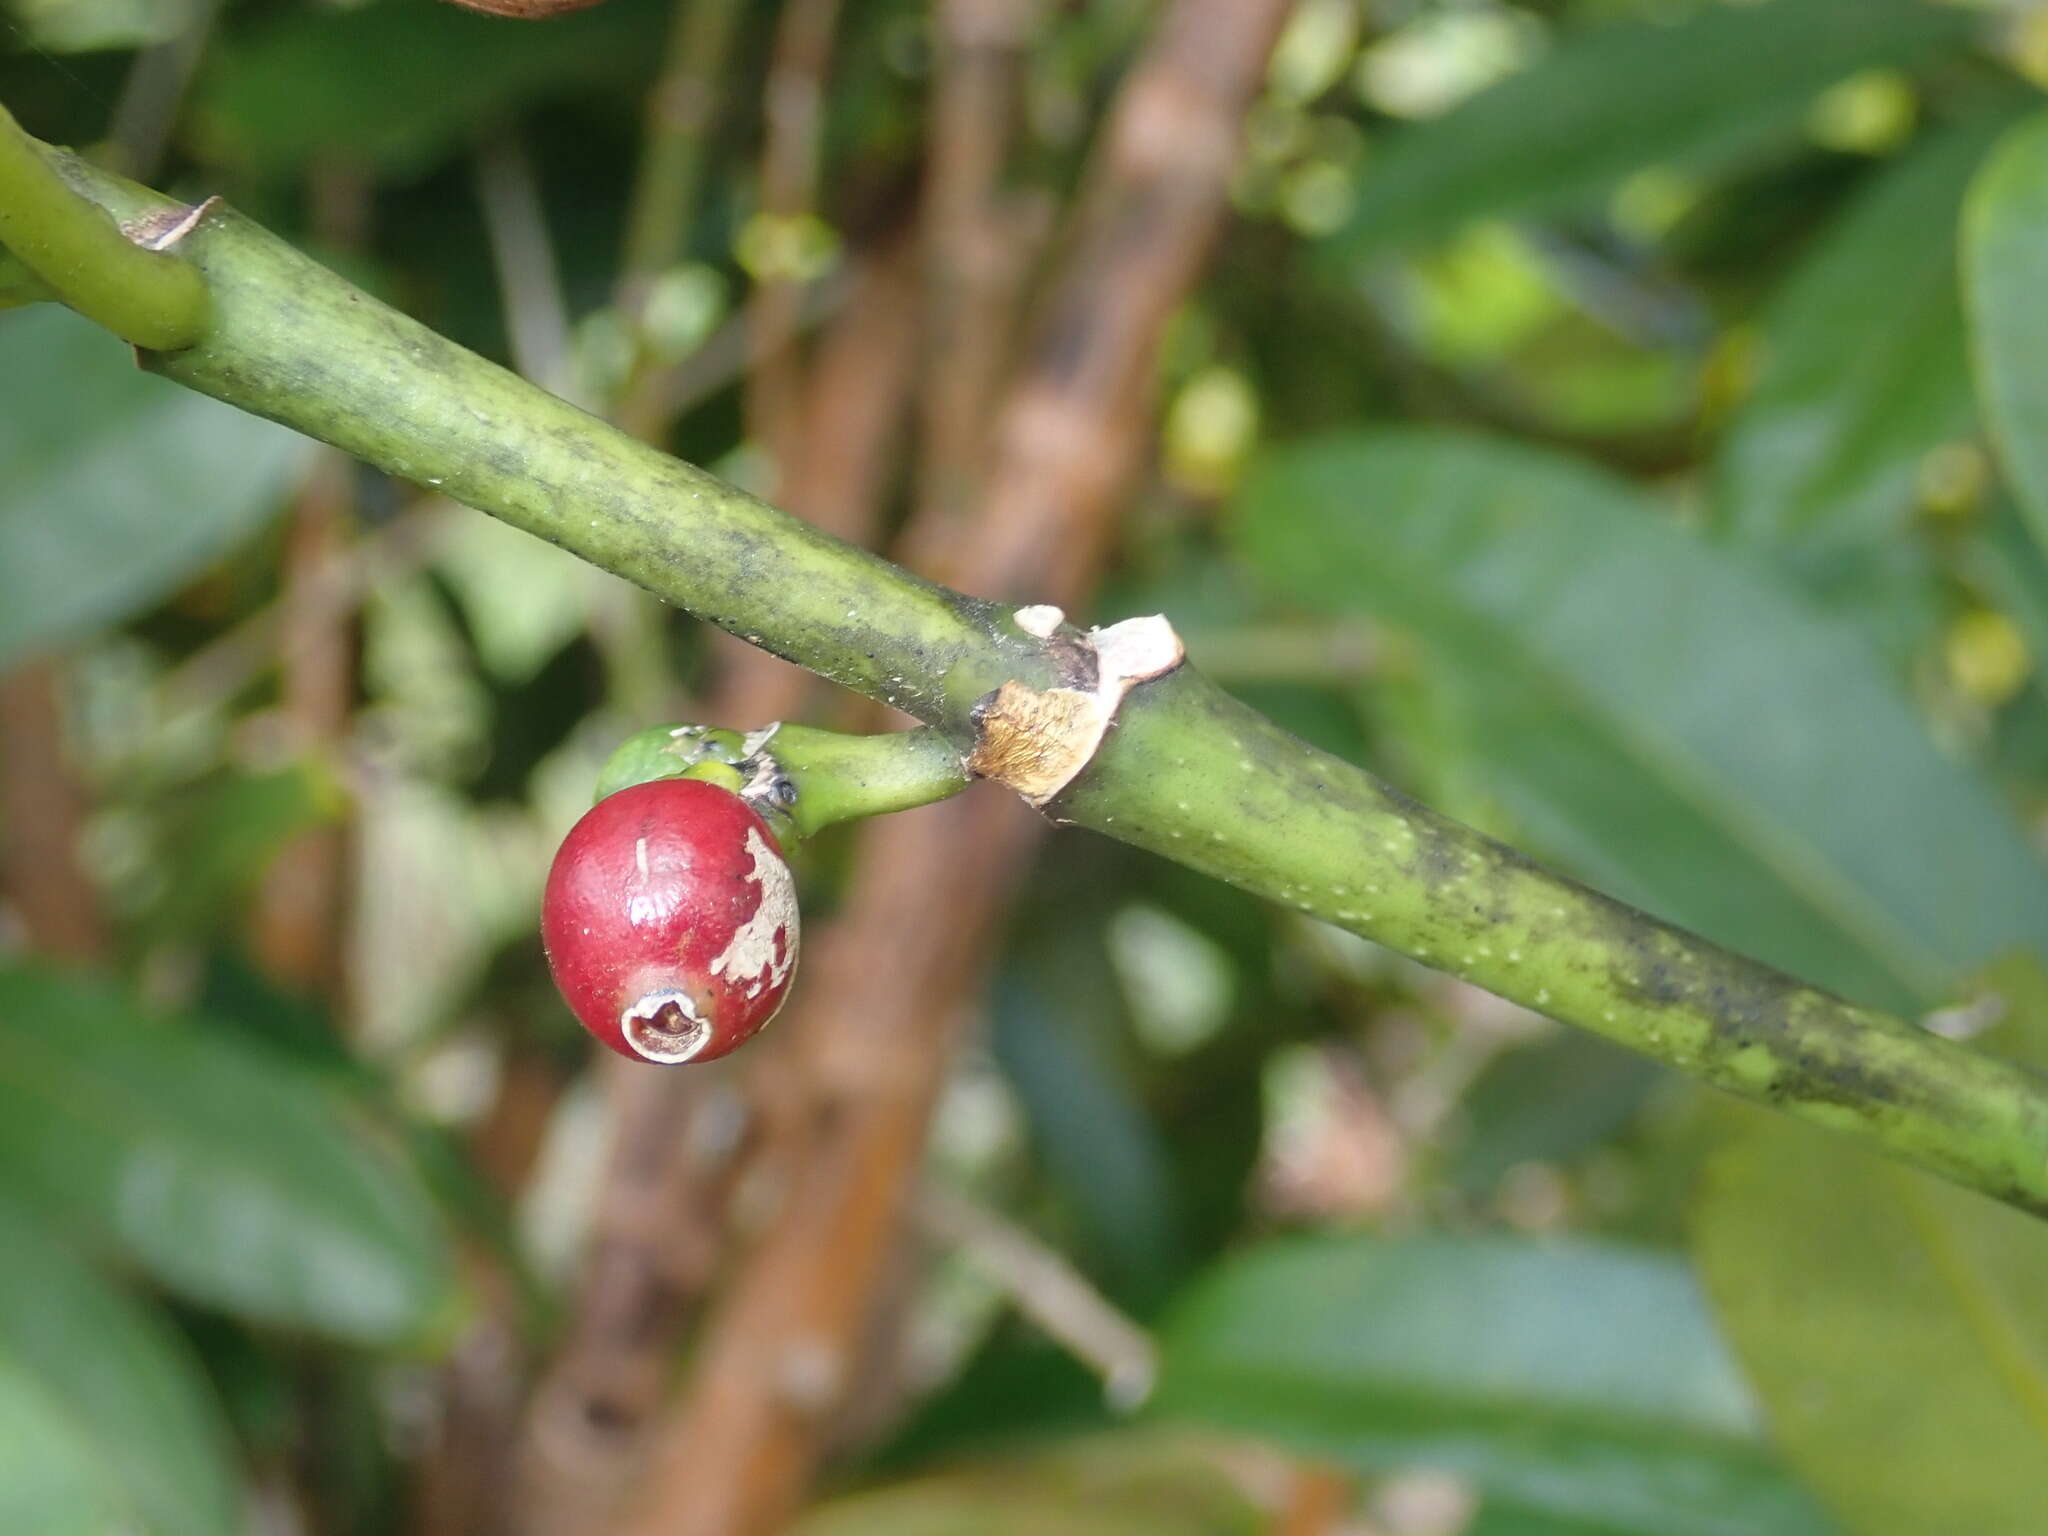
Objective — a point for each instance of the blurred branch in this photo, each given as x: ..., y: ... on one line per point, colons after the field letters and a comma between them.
x: 1189, y: 772
x: 879, y: 1017
x: 1316, y: 1501
x: 86, y: 258
x: 525, y: 10
x: 680, y: 109
x: 1048, y: 1290
x: 853, y: 413
x: 325, y: 592
x: 666, y: 192
x: 296, y: 928
x: 1340, y: 651
x: 155, y: 89
x: 41, y: 813
x: 678, y: 1145
x: 676, y: 1152
x: 973, y: 258
x: 659, y: 395
x: 536, y: 317
x: 794, y: 101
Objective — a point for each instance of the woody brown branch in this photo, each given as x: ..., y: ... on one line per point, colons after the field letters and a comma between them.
x: 881, y: 1008
x: 43, y: 887
x: 682, y: 1139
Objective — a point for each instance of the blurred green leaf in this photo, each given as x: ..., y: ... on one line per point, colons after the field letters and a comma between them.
x: 226, y: 832
x: 1892, y: 1325
x: 1724, y: 81
x: 1057, y: 1045
x: 119, y: 486
x: 51, y: 1480
x: 401, y: 84
x: 1108, y: 1485
x: 2011, y: 569
x: 1574, y: 1379
x: 1864, y: 362
x: 1659, y: 713
x: 2005, y: 243
x: 1549, y: 1101
x: 106, y: 1423
x: 228, y: 1175
x: 82, y: 26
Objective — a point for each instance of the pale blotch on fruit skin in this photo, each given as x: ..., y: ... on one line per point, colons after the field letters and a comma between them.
x: 665, y: 1027
x: 752, y: 951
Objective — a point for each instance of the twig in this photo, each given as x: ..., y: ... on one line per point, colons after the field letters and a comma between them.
x: 859, y: 383
x: 296, y: 928
x: 794, y: 99
x: 675, y: 1155
x: 41, y: 812
x: 140, y: 295
x: 1340, y: 651
x: 1048, y: 1290
x: 680, y: 110
x: 661, y: 395
x: 1314, y: 1502
x: 972, y: 268
x: 878, y: 1018
x: 1189, y: 772
x: 1153, y: 205
x: 536, y: 317
x: 155, y: 89
x: 327, y: 593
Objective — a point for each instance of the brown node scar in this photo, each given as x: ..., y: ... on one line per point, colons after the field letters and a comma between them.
x: 1037, y: 741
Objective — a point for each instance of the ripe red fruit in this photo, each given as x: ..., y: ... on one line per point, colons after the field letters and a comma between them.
x: 670, y: 921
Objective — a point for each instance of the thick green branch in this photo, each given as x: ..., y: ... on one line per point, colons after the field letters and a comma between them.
x: 20, y: 286
x: 1187, y: 772
x: 85, y: 259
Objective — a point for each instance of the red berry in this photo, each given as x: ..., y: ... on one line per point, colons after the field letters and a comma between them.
x: 670, y: 921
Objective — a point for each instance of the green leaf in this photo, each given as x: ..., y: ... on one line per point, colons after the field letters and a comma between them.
x: 2005, y: 246
x: 2011, y: 569
x: 402, y: 85
x: 1549, y: 1101
x: 1724, y: 82
x: 119, y: 486
x: 1573, y: 1379
x: 1661, y: 714
x: 1100, y: 1149
x: 1865, y: 368
x: 224, y: 832
x: 1107, y: 1485
x: 1892, y: 1325
x: 106, y: 1423
x: 232, y: 1178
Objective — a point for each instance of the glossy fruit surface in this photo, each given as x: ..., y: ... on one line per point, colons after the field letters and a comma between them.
x: 670, y: 921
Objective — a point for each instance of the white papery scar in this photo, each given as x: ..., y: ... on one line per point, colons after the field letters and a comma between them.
x: 753, y: 950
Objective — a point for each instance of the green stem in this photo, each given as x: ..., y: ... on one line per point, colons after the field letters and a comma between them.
x: 1188, y: 772
x: 18, y: 285
x: 801, y: 778
x: 838, y: 777
x: 140, y: 295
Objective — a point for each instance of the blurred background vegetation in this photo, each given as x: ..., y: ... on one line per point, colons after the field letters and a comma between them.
x: 1574, y: 420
